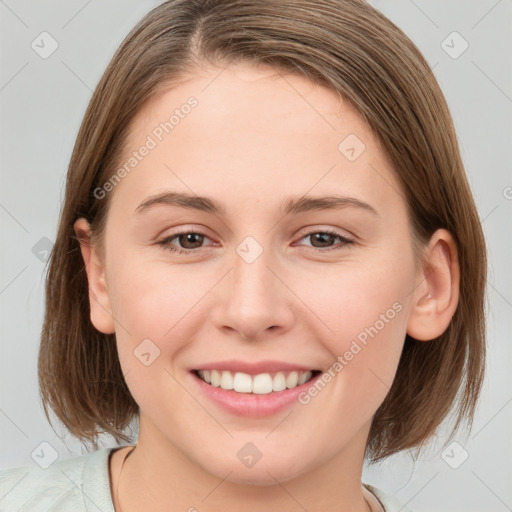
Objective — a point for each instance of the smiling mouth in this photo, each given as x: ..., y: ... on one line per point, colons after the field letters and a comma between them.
x: 260, y: 384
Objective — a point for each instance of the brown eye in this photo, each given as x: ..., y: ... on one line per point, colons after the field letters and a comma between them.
x: 324, y: 239
x: 188, y: 241
x: 192, y: 241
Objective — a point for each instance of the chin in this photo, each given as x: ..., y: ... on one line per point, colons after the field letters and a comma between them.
x: 262, y: 474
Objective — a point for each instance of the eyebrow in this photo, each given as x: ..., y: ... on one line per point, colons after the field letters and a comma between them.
x: 291, y: 206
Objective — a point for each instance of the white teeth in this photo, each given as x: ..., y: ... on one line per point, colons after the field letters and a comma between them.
x: 279, y: 383
x: 215, y: 376
x: 292, y: 379
x: 226, y: 381
x: 304, y: 377
x: 260, y: 384
x: 242, y: 383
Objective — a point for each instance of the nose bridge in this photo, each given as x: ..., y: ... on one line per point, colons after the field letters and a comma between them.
x: 253, y: 302
x: 252, y: 279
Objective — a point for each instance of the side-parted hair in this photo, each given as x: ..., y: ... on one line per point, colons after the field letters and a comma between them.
x: 350, y: 47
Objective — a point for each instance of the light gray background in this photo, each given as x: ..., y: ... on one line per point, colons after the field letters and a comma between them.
x: 43, y: 101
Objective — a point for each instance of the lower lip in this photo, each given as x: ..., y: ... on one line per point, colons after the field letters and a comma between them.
x: 252, y: 405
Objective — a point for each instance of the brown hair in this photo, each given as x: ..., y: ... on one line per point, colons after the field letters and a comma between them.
x: 348, y: 46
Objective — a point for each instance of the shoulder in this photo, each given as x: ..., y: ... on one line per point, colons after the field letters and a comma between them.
x: 388, y: 502
x: 75, y: 484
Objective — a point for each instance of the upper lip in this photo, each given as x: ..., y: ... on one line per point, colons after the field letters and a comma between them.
x: 254, y: 368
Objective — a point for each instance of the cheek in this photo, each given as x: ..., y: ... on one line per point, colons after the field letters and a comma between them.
x: 364, y: 301
x: 154, y: 300
x: 364, y: 358
x: 366, y: 311
x: 153, y: 304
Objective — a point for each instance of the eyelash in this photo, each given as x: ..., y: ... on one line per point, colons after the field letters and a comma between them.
x: 165, y: 242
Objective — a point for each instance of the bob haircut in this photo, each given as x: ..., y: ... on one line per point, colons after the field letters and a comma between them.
x: 350, y: 47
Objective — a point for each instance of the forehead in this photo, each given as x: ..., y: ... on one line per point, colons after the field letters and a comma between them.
x: 247, y: 133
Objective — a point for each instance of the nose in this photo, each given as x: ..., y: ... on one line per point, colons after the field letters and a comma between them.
x: 254, y: 301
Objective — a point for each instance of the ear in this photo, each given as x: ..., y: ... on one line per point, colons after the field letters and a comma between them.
x: 437, y: 291
x: 99, y: 302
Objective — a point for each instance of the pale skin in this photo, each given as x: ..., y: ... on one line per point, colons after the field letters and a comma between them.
x: 256, y: 139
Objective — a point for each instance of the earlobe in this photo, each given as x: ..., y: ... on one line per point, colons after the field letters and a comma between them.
x: 437, y: 291
x: 99, y: 302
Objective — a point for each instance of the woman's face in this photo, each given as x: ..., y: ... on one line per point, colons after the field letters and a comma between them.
x: 262, y: 287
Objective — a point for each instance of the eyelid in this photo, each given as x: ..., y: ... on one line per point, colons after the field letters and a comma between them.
x: 346, y: 241
x: 184, y: 229
x: 308, y: 230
